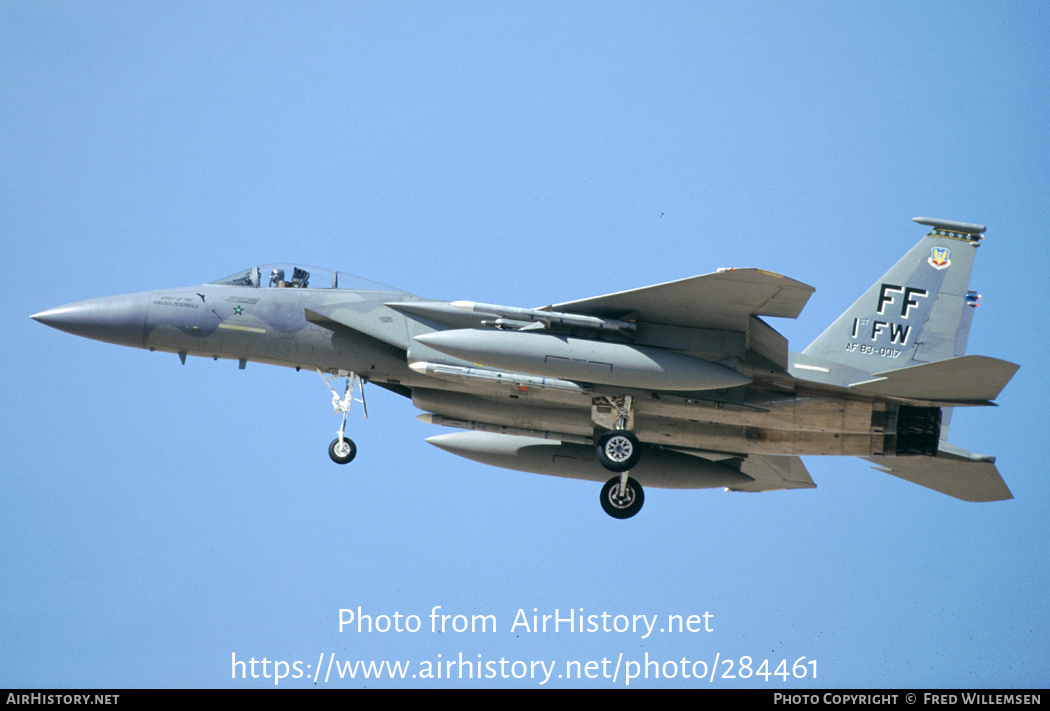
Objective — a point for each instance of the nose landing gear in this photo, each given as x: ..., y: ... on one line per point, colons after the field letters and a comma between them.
x: 342, y: 450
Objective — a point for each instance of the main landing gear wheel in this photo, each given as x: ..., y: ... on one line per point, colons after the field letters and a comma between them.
x: 618, y: 451
x: 625, y: 503
x: 342, y: 451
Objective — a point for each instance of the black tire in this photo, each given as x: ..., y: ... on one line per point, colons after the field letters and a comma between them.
x: 622, y: 506
x: 342, y: 454
x: 618, y: 450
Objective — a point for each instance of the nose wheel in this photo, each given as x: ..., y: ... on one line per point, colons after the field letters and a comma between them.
x: 342, y: 450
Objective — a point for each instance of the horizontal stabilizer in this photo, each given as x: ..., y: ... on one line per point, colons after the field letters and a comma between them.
x: 963, y: 476
x: 967, y: 379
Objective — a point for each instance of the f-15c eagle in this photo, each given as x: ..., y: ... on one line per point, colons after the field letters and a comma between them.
x: 678, y: 385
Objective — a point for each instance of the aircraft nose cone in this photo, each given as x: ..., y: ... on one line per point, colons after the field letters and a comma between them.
x: 113, y: 319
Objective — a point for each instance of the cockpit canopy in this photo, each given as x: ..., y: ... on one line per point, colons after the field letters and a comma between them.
x: 292, y: 276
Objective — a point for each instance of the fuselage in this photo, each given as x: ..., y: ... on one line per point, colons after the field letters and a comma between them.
x: 334, y: 329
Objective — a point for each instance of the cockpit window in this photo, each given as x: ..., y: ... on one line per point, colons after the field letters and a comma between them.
x: 249, y: 277
x: 295, y: 276
x: 300, y: 278
x: 291, y: 276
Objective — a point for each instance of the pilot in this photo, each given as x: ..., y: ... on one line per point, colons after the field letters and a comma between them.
x: 277, y: 277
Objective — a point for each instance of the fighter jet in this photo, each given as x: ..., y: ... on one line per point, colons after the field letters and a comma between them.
x: 678, y: 385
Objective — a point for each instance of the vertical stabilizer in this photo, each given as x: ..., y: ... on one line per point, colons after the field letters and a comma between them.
x: 918, y: 312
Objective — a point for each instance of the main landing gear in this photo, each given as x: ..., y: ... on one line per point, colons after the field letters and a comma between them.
x: 618, y: 450
x: 342, y: 450
x: 622, y: 496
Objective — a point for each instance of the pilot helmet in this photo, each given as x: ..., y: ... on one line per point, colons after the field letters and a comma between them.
x: 276, y: 275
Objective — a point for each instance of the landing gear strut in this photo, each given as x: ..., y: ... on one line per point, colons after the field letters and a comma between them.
x: 342, y: 450
x: 618, y: 450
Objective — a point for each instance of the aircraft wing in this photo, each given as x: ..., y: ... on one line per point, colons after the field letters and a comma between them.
x: 722, y: 300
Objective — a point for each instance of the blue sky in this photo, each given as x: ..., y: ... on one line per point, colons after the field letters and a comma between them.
x: 159, y: 518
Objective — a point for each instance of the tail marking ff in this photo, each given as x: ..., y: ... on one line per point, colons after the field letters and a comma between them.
x: 917, y: 312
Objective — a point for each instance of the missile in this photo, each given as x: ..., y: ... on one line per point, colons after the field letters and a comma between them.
x: 463, y: 406
x: 548, y: 317
x: 495, y: 377
x: 439, y: 311
x: 659, y: 468
x: 468, y: 314
x: 584, y: 360
x: 503, y: 429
